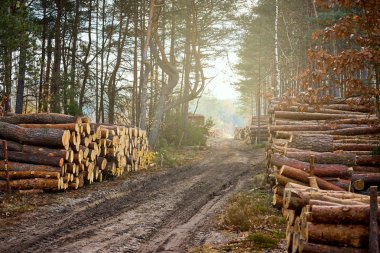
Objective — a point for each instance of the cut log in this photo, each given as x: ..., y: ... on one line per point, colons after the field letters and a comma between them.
x: 15, y: 166
x: 308, y: 247
x: 36, y: 183
x: 351, y: 235
x: 36, y: 137
x: 347, y: 107
x: 309, y: 127
x: 302, y: 176
x: 313, y: 116
x: 15, y: 146
x: 320, y: 170
x: 41, y: 118
x: 355, y: 147
x: 368, y: 160
x: 367, y: 178
x: 324, y: 158
x: 314, y: 202
x: 277, y: 201
x: 33, y: 158
x: 282, y: 180
x: 358, y: 169
x: 309, y: 109
x: 355, y: 214
x: 342, y: 183
x: 319, y: 143
x: 73, y: 127
x: 101, y: 162
x: 29, y: 174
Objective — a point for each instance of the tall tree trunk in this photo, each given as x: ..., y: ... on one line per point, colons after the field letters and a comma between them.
x: 21, y: 75
x: 55, y: 102
x: 102, y: 71
x: 277, y: 67
x: 42, y: 70
x: 75, y: 28
x: 112, y: 93
x: 147, y: 67
x: 135, y: 64
x: 85, y: 62
x: 7, y: 77
x: 46, y: 88
x: 187, y: 69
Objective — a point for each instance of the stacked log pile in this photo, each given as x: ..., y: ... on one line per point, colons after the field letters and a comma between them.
x: 339, y: 142
x: 317, y: 158
x: 256, y: 132
x: 326, y: 221
x: 56, y: 152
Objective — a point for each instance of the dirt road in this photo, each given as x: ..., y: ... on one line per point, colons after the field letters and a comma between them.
x: 166, y: 211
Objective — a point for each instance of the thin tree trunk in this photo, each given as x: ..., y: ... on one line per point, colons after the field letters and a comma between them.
x: 75, y: 28
x: 21, y: 74
x: 42, y: 70
x: 55, y: 104
x: 147, y: 67
x: 277, y: 67
x: 135, y: 65
x: 187, y: 69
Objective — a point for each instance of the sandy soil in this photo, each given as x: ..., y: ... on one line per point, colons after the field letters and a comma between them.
x: 166, y: 211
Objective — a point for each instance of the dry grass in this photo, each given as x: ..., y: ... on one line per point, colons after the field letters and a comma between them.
x: 259, y: 225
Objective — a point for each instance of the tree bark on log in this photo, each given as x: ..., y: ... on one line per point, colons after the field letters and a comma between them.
x: 304, y: 177
x: 309, y: 127
x: 15, y: 146
x: 355, y: 214
x: 358, y: 169
x: 74, y: 127
x: 320, y: 170
x: 351, y: 235
x: 37, y: 137
x: 319, y: 143
x: 367, y: 178
x: 368, y: 160
x: 27, y: 184
x: 33, y: 158
x: 355, y: 147
x: 29, y: 174
x: 313, y: 116
x: 308, y: 247
x: 41, y: 118
x: 282, y: 180
x: 324, y: 158
x: 16, y: 166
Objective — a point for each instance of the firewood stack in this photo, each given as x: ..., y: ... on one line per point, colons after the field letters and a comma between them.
x: 56, y: 152
x: 316, y: 158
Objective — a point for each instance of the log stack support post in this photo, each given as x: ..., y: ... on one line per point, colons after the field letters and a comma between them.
x: 5, y: 149
x: 373, y: 224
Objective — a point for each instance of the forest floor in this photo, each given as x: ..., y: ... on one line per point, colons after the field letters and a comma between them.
x: 164, y: 210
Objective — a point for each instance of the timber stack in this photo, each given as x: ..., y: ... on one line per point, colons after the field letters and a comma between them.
x: 327, y: 221
x: 338, y: 142
x: 51, y: 152
x: 256, y: 132
x: 317, y: 157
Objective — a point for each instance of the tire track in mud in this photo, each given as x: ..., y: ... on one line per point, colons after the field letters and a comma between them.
x: 159, y: 213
